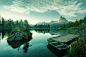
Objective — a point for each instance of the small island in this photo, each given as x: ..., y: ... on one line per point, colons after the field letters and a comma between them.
x: 18, y: 34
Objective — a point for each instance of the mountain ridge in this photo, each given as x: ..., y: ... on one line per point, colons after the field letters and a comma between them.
x: 61, y: 21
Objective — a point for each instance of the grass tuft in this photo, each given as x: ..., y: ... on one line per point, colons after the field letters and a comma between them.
x: 78, y: 49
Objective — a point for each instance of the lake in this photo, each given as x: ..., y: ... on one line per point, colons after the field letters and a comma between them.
x: 37, y: 46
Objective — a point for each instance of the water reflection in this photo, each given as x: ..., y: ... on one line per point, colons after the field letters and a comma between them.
x: 57, y: 32
x: 42, y: 30
x: 17, y: 44
x: 38, y: 45
x: 56, y: 52
x: 5, y: 32
x: 25, y: 43
x: 25, y: 48
x: 51, y: 31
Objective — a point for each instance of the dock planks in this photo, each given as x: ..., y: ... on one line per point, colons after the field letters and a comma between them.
x: 66, y: 38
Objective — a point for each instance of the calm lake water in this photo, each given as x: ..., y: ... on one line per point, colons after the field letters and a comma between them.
x: 35, y: 47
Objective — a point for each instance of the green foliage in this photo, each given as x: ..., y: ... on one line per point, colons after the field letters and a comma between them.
x: 15, y: 30
x: 84, y: 20
x: 26, y: 25
x: 42, y: 26
x: 73, y: 24
x: 21, y: 31
x: 10, y: 24
x: 78, y: 49
x: 21, y: 23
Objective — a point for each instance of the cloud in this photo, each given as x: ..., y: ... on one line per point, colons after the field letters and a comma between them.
x: 66, y: 8
x: 82, y: 11
x: 6, y: 2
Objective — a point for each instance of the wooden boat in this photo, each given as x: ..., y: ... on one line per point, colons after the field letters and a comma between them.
x: 58, y: 45
x: 56, y: 52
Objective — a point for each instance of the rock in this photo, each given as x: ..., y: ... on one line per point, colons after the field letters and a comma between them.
x: 11, y: 38
x: 17, y: 44
x: 61, y: 21
x: 17, y: 36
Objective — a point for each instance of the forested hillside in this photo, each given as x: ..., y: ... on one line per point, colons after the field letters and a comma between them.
x: 10, y: 24
x: 77, y: 23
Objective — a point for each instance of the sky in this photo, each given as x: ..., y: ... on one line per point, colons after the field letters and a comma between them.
x: 42, y: 10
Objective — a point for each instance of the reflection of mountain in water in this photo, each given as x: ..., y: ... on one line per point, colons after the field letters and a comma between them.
x: 17, y: 44
x: 51, y: 31
x: 57, y: 32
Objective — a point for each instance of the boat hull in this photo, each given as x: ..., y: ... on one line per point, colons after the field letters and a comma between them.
x: 58, y: 45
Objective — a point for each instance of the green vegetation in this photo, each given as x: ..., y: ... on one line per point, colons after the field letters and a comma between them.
x: 21, y: 31
x: 65, y: 30
x: 69, y: 31
x: 73, y: 31
x: 42, y: 26
x: 13, y: 31
x: 78, y: 49
x: 16, y: 30
x: 74, y: 25
x: 10, y: 24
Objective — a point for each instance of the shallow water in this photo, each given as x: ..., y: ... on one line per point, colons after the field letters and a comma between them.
x: 35, y: 47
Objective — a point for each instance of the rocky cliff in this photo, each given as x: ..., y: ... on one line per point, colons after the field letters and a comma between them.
x: 61, y: 21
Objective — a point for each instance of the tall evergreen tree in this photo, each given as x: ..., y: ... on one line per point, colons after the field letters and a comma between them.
x: 26, y: 25
x: 2, y: 21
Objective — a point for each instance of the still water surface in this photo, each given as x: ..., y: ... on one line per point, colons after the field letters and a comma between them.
x: 35, y: 47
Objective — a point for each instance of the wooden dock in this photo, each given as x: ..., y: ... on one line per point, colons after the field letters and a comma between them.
x: 66, y: 38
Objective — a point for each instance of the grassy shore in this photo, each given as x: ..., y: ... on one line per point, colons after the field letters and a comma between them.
x: 78, y: 48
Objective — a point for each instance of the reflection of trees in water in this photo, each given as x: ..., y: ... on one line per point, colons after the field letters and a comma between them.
x: 4, y: 32
x: 25, y: 48
x: 42, y: 30
x: 0, y: 36
x: 18, y: 44
x: 51, y: 31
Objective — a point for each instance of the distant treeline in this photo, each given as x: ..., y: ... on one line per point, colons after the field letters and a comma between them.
x: 42, y: 26
x: 10, y: 24
x: 77, y: 23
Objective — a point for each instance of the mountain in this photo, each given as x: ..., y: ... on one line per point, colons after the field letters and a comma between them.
x: 52, y: 22
x: 42, y: 23
x: 61, y: 21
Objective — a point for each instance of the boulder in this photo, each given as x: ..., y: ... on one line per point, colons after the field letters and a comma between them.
x: 17, y: 44
x: 11, y: 38
x: 17, y: 36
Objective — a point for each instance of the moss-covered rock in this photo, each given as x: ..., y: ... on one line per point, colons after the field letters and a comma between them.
x: 19, y: 34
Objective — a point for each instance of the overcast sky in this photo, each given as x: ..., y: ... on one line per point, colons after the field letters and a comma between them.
x: 42, y: 10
